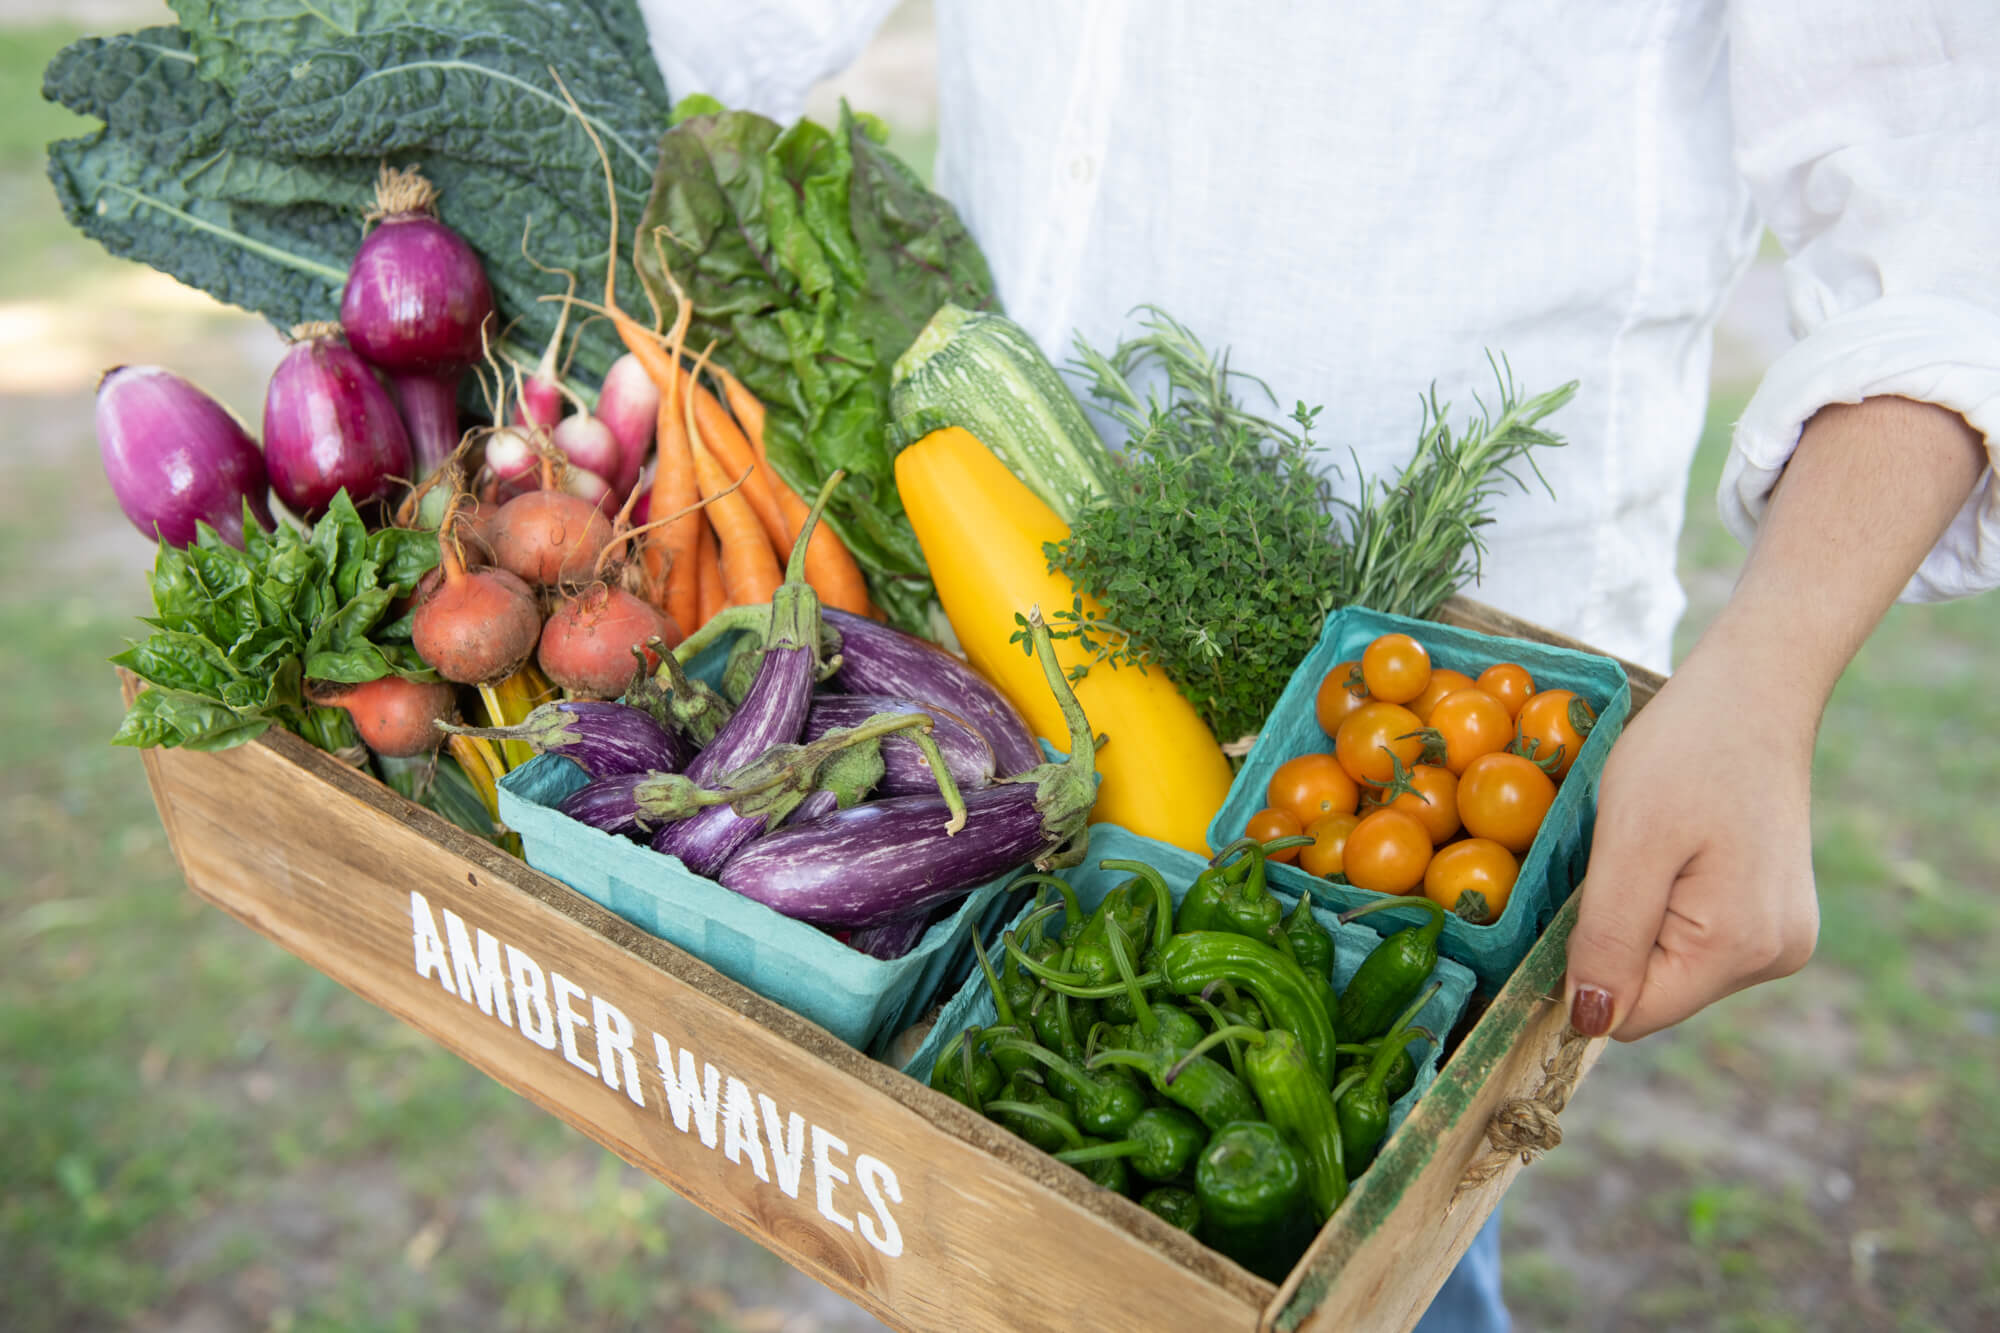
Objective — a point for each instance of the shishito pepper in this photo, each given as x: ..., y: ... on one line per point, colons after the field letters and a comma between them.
x: 1290, y: 999
x: 1312, y: 943
x: 1034, y: 1113
x: 1105, y: 1102
x: 1362, y: 1108
x: 1393, y: 972
x: 1402, y: 1068
x: 965, y: 1071
x: 1232, y: 895
x: 1177, y: 1205
x: 1292, y: 1097
x: 1251, y: 1184
x: 1110, y: 1172
x: 1159, y: 1143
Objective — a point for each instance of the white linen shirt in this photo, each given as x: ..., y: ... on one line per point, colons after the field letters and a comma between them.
x: 1358, y: 199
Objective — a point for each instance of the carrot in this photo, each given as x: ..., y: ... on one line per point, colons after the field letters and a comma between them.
x: 710, y: 577
x: 731, y: 449
x: 750, y: 572
x: 830, y: 566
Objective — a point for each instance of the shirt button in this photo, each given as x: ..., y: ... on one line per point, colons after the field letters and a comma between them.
x: 1080, y: 168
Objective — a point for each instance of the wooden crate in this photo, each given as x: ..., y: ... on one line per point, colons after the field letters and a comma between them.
x: 895, y: 1196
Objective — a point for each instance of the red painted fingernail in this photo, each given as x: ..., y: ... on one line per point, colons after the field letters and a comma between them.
x: 1590, y: 1011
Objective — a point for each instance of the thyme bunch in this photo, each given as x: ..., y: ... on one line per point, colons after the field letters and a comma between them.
x: 1221, y: 548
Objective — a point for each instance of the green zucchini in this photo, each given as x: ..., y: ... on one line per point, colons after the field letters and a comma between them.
x: 982, y: 372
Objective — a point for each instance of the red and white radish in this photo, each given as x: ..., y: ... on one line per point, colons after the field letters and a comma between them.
x: 589, y: 444
x: 176, y: 457
x: 628, y: 404
x: 394, y: 716
x: 416, y: 303
x: 477, y: 626
x: 329, y: 424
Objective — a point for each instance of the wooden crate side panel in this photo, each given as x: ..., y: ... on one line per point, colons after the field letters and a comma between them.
x: 893, y: 1200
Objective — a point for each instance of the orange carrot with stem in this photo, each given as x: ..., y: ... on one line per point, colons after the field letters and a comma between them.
x: 830, y: 566
x: 725, y: 439
x: 710, y: 576
x: 750, y: 572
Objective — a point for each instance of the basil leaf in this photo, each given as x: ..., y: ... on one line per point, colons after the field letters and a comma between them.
x: 175, y: 660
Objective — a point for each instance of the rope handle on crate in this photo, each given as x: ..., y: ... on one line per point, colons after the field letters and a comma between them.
x: 1527, y: 1126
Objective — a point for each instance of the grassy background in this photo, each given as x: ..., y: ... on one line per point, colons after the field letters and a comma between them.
x: 202, y: 1133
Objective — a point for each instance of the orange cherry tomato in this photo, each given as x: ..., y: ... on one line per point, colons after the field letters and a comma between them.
x: 1473, y: 878
x: 1341, y: 691
x: 1329, y: 835
x: 1310, y: 786
x: 1509, y: 682
x: 1552, y: 721
x: 1443, y: 681
x: 1386, y: 852
x: 1371, y: 734
x: 1429, y: 795
x: 1471, y: 723
x: 1268, y: 824
x: 1395, y: 668
x: 1504, y: 798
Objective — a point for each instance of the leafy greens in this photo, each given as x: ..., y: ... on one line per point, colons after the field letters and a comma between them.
x: 813, y: 258
x: 238, y: 633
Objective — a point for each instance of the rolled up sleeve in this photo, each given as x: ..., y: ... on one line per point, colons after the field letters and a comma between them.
x: 1869, y: 135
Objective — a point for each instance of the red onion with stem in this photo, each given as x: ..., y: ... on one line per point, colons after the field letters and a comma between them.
x: 416, y: 302
x: 176, y: 457
x: 329, y: 424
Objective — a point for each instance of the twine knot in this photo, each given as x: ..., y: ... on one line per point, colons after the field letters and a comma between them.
x: 1527, y: 1126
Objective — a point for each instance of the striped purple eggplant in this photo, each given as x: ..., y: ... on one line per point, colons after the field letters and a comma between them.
x: 891, y: 939
x: 604, y: 738
x: 821, y: 802
x: 772, y: 713
x: 905, y: 770
x: 883, y: 860
x: 628, y: 803
x: 876, y: 659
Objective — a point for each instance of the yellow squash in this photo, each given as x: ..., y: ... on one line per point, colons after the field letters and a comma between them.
x: 982, y: 531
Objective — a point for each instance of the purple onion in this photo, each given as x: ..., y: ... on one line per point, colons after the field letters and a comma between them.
x: 176, y: 457
x: 416, y: 301
x: 329, y: 426
x: 905, y: 769
x: 605, y: 739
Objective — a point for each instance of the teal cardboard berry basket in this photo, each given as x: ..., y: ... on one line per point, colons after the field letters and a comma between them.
x: 1554, y: 864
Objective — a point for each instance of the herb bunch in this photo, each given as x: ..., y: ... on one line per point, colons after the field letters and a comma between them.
x: 1221, y: 548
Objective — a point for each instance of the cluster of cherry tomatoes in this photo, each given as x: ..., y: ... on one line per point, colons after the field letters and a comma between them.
x: 1436, y: 782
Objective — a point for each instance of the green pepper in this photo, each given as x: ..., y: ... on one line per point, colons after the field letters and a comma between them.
x: 1291, y: 1000
x: 1239, y: 899
x: 1251, y: 1184
x: 965, y: 1071
x: 1393, y: 971
x: 1158, y: 921
x: 1312, y: 943
x: 1005, y: 999
x: 1362, y: 1108
x: 1178, y: 1206
x: 1160, y: 1143
x: 1292, y: 1097
x: 1110, y: 1172
x: 1105, y: 1103
x: 1402, y: 1069
x: 1036, y: 1115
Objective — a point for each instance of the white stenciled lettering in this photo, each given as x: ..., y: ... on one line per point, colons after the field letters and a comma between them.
x: 826, y: 1175
x: 569, y: 1020
x: 687, y: 1098
x: 614, y: 1036
x: 739, y: 1128
x: 879, y: 1183
x: 531, y: 999
x: 477, y: 969
x: 430, y: 947
x: 788, y: 1145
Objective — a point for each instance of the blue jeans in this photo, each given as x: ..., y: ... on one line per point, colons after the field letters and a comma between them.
x: 1469, y: 1301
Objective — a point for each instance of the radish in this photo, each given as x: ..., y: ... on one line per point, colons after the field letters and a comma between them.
x: 175, y: 457
x: 589, y: 444
x: 478, y: 626
x: 511, y: 455
x: 629, y: 406
x: 329, y: 425
x: 588, y: 641
x: 550, y: 536
x: 395, y: 717
x: 416, y: 305
x: 538, y: 400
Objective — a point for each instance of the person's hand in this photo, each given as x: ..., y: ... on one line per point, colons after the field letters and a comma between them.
x: 1700, y: 879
